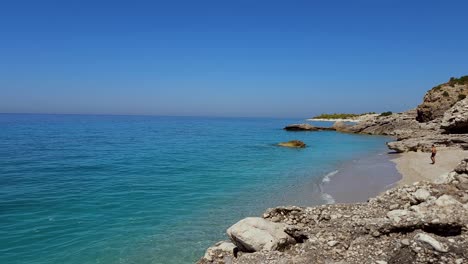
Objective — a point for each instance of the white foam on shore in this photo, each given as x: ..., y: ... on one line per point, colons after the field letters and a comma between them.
x: 328, y: 198
x: 328, y: 176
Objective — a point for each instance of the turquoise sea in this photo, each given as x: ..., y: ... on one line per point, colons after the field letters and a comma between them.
x: 142, y: 189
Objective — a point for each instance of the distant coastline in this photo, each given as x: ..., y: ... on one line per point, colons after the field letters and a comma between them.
x: 334, y: 120
x: 351, y: 118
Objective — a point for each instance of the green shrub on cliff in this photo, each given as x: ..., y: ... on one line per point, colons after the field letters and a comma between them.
x: 462, y: 80
x: 436, y: 88
x: 386, y: 113
x: 461, y: 96
x: 341, y: 115
x: 445, y: 94
x: 336, y: 116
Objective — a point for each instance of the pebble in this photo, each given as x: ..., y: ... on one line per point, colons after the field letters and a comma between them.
x: 405, y: 242
x: 431, y: 241
x: 332, y: 243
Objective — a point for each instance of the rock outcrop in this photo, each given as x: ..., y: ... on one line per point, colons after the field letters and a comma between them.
x: 341, y: 126
x: 420, y: 223
x: 441, y: 98
x: 293, y: 144
x: 455, y: 120
x: 306, y: 127
x: 257, y: 234
x: 392, y: 125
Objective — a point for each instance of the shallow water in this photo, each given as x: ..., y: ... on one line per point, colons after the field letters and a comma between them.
x: 141, y: 189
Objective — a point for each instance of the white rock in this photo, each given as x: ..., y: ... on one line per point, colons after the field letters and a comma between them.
x: 396, y: 215
x: 332, y: 243
x: 256, y: 234
x: 445, y: 178
x: 421, y: 195
x: 405, y: 242
x: 446, y: 200
x: 381, y: 262
x: 224, y: 246
x: 431, y: 241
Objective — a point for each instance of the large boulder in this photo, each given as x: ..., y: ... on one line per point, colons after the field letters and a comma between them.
x: 462, y: 167
x: 441, y: 98
x: 257, y: 234
x: 455, y: 119
x: 293, y: 144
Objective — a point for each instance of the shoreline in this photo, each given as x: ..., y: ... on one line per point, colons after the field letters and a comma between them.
x: 415, y: 166
x: 361, y: 179
x: 354, y: 180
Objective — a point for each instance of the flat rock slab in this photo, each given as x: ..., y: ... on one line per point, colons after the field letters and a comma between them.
x: 307, y: 127
x: 257, y: 234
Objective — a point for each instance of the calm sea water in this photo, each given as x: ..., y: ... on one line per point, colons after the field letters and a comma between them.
x: 138, y: 189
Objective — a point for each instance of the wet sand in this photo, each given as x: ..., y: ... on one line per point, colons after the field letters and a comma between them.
x: 415, y: 166
x: 363, y: 178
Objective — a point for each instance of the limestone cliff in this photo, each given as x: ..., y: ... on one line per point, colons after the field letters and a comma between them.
x: 441, y: 98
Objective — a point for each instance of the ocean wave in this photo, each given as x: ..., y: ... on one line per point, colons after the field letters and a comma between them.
x: 328, y: 198
x: 327, y: 177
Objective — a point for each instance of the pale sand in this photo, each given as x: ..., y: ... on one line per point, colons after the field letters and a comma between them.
x: 353, y: 120
x: 415, y: 166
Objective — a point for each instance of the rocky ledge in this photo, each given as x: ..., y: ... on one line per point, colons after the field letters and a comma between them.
x: 307, y: 127
x: 420, y: 223
x: 449, y: 129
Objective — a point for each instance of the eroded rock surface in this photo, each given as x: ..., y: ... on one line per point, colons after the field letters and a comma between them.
x: 439, y: 99
x: 455, y: 119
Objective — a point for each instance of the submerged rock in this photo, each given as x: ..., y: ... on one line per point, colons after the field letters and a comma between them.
x: 293, y: 144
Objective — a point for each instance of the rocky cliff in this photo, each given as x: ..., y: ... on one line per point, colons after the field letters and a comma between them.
x: 441, y: 120
x: 423, y: 223
x: 441, y: 98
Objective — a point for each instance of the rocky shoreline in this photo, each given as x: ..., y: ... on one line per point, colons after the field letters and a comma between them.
x: 420, y: 223
x: 425, y: 222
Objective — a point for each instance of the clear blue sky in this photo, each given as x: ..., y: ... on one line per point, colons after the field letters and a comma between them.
x: 227, y: 58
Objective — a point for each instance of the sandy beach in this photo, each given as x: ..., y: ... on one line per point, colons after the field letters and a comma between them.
x: 415, y: 166
x: 334, y: 120
x: 362, y: 178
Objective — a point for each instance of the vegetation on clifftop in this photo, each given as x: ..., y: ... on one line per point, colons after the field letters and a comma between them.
x: 388, y: 113
x: 462, y: 80
x: 341, y: 115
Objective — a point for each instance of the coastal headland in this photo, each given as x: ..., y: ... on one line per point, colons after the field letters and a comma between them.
x: 424, y: 219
